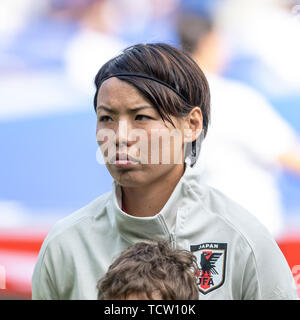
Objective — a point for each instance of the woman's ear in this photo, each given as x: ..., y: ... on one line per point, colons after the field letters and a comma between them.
x: 193, y: 125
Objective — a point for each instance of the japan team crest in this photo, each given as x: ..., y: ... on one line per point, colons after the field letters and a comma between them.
x: 211, y: 259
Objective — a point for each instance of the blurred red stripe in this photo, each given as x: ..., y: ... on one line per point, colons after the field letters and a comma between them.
x: 18, y: 268
x: 19, y: 250
x: 290, y: 247
x: 21, y: 246
x: 22, y: 240
x: 289, y: 244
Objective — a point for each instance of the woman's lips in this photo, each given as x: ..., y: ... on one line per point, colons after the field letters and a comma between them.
x: 124, y: 161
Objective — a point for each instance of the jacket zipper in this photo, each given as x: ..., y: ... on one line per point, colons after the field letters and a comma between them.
x: 173, y: 240
x: 172, y: 236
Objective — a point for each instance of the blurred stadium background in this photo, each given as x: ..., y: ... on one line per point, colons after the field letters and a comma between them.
x: 49, y: 52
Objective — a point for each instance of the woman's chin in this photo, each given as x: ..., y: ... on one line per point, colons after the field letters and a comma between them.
x: 140, y: 176
x: 128, y: 176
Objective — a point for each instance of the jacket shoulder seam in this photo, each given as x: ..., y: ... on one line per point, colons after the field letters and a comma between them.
x: 58, y: 233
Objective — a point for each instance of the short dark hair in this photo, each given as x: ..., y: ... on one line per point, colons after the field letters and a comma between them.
x: 172, y: 66
x: 191, y: 29
x: 146, y: 269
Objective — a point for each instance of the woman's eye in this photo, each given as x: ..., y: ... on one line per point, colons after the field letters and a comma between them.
x: 142, y: 117
x: 105, y: 118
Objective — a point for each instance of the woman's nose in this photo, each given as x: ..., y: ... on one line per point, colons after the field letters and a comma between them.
x: 123, y: 133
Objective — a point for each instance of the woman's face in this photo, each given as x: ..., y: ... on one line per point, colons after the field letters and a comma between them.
x: 138, y: 145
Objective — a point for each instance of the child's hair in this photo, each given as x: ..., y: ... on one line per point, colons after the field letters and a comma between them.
x: 150, y: 270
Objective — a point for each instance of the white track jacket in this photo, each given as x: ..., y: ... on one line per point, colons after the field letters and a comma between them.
x: 238, y: 257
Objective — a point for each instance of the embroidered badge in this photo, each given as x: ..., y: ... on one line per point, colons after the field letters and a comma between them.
x: 211, y: 259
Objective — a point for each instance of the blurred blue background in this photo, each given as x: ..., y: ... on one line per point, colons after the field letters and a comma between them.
x: 47, y: 122
x: 50, y: 50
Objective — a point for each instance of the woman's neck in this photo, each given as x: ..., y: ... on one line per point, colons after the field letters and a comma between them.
x: 150, y: 199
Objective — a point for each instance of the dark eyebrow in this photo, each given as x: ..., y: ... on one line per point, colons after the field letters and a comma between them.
x: 110, y: 110
x: 140, y: 108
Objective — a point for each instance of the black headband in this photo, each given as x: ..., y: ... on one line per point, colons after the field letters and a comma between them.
x: 146, y: 77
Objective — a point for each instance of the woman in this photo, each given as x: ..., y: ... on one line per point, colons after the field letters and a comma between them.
x: 153, y: 110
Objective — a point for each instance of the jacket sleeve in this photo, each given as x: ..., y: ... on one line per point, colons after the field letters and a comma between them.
x: 267, y: 275
x: 43, y: 286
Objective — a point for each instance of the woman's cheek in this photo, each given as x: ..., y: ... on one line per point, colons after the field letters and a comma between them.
x: 106, y: 139
x: 166, y: 147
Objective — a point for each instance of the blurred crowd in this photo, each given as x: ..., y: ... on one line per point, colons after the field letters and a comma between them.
x: 50, y: 51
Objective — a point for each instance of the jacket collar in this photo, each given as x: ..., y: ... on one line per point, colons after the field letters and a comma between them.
x: 158, y: 227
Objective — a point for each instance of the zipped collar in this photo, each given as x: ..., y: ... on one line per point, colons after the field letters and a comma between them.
x: 158, y: 227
